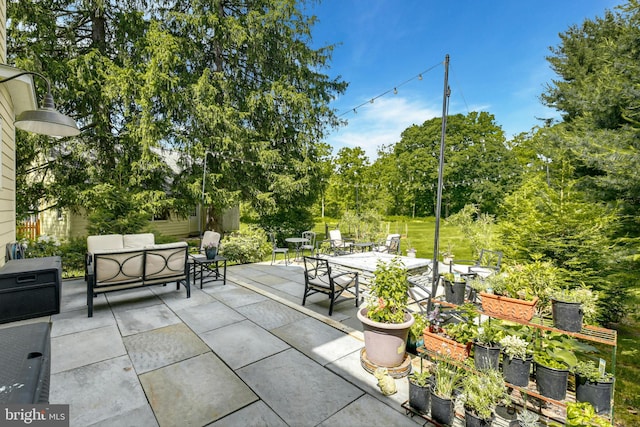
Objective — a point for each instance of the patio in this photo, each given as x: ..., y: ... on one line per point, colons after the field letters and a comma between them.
x: 245, y: 353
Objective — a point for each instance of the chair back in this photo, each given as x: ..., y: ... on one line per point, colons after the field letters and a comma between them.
x: 311, y: 236
x: 336, y: 237
x: 393, y: 244
x: 490, y: 259
x: 272, y: 238
x: 210, y: 237
x: 315, y: 267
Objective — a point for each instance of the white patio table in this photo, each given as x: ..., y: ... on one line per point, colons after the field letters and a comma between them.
x: 365, y: 263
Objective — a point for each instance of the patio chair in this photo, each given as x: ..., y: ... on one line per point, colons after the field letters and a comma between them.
x: 311, y: 245
x: 420, y: 289
x: 209, y: 237
x: 318, y: 278
x: 487, y: 264
x: 339, y: 246
x: 391, y: 245
x: 277, y: 250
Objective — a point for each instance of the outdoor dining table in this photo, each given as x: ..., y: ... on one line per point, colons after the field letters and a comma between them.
x: 365, y: 263
x: 297, y: 241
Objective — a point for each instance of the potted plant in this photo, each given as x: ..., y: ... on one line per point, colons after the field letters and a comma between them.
x: 454, y: 288
x: 519, y: 291
x: 486, y: 345
x: 447, y: 378
x: 594, y: 385
x: 570, y: 306
x: 384, y: 317
x: 553, y: 360
x: 210, y: 250
x: 454, y: 339
x: 448, y: 256
x: 516, y: 362
x: 482, y: 391
x: 420, y: 390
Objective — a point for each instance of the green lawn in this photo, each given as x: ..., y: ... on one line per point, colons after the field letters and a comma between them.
x: 417, y: 233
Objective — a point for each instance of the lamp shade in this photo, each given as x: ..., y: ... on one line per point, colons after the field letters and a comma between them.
x: 47, y: 121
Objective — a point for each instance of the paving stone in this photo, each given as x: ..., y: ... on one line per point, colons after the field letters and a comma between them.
x: 243, y: 343
x: 138, y: 417
x: 98, y: 391
x: 235, y: 296
x: 195, y: 392
x: 255, y: 415
x: 270, y: 314
x: 318, y: 340
x: 69, y: 322
x: 368, y: 411
x: 177, y: 301
x: 144, y: 319
x: 161, y: 347
x: 82, y: 348
x: 298, y: 389
x: 206, y: 317
x: 129, y: 299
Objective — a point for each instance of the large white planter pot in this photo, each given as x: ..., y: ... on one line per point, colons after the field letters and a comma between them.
x: 385, y: 343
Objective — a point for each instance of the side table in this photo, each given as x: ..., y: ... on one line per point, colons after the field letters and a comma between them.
x: 210, y: 268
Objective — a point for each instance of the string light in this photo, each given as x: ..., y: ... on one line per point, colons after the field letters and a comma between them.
x: 394, y: 89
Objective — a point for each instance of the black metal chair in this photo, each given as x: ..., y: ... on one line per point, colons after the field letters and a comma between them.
x: 487, y: 264
x: 318, y: 278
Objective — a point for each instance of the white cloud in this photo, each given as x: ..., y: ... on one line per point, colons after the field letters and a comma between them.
x: 380, y: 123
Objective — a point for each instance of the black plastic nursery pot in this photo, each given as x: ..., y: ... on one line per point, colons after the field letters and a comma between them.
x: 597, y: 393
x: 441, y: 409
x: 472, y: 420
x: 516, y: 371
x: 551, y: 382
x: 419, y: 397
x: 486, y: 356
x: 567, y: 315
x: 454, y: 292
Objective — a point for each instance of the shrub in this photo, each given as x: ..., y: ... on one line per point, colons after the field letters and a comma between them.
x: 247, y: 246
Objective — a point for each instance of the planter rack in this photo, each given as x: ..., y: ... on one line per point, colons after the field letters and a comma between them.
x: 588, y: 333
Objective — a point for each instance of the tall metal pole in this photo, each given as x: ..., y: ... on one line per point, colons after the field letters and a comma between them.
x: 445, y: 103
x: 202, y: 209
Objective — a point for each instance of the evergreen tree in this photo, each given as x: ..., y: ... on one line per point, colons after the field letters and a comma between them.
x: 231, y: 83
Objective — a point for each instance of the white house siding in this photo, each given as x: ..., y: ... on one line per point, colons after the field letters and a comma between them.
x: 7, y: 150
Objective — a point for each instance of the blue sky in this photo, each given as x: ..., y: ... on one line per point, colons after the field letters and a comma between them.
x: 497, y: 54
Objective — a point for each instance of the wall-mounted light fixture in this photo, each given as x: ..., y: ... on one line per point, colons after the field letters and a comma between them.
x: 46, y: 120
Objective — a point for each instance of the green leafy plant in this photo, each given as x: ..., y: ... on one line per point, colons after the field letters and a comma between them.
x: 490, y: 332
x: 247, y: 246
x: 589, y: 371
x: 465, y: 331
x: 420, y: 323
x: 453, y: 278
x: 483, y: 391
x: 388, y: 300
x: 582, y: 414
x: 514, y: 346
x: 558, y: 351
x: 420, y: 378
x: 528, y: 418
x: 447, y: 376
